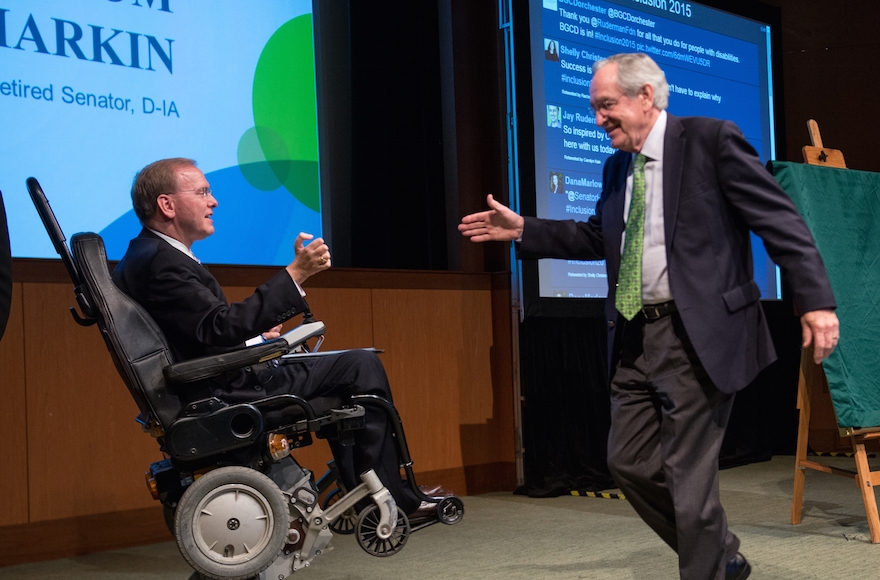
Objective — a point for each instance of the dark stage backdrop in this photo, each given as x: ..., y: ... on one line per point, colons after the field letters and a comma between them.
x: 566, y: 405
x: 398, y: 205
x: 381, y: 123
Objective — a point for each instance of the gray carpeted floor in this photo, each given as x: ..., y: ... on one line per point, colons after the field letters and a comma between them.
x: 509, y: 537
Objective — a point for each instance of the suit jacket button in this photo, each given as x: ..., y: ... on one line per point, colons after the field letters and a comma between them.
x: 610, y: 324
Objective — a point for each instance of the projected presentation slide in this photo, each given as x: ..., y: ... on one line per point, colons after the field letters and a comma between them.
x: 717, y: 65
x: 90, y: 92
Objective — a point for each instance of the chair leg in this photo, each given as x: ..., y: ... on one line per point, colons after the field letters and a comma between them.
x: 864, y: 481
x: 803, y: 403
x: 797, y: 496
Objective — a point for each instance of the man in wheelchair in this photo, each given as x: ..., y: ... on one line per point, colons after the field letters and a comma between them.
x: 174, y: 203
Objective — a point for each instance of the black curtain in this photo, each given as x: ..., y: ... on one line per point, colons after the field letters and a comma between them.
x: 566, y: 407
x: 764, y: 419
x: 398, y: 206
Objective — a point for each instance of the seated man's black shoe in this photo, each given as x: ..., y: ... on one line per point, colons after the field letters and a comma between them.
x: 426, y: 512
x: 738, y: 568
x: 434, y: 490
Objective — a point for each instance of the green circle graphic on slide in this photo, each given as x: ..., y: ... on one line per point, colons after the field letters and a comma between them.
x: 282, y: 147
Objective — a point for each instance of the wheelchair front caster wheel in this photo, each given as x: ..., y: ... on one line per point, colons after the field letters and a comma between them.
x: 345, y: 523
x: 450, y: 510
x: 368, y: 538
x: 231, y: 524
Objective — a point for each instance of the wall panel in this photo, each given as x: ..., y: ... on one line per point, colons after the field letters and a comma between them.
x: 438, y: 361
x: 13, y: 418
x: 86, y: 453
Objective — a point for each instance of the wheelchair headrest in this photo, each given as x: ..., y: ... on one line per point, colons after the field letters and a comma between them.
x: 134, y: 340
x: 47, y: 216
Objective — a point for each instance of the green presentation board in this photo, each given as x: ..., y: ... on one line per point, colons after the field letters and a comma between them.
x: 842, y: 209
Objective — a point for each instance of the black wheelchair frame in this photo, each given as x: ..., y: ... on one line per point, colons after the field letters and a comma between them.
x: 218, y: 453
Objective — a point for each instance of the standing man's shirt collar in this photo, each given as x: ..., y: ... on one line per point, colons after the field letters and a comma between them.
x: 655, y: 276
x: 653, y: 147
x: 176, y: 244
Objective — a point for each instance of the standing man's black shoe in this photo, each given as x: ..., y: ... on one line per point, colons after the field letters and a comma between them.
x: 738, y: 568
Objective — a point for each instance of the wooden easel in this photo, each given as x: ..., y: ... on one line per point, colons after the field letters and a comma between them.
x: 812, y: 384
x: 818, y: 155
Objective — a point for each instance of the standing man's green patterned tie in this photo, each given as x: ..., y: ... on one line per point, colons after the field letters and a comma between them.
x: 629, y: 284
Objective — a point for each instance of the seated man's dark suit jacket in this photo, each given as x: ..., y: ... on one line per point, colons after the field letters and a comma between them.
x: 714, y: 191
x: 189, y: 306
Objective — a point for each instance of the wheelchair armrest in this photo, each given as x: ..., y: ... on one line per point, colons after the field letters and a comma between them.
x: 206, y: 367
x: 210, y: 366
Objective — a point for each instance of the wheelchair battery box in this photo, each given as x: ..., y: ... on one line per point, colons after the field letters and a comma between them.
x: 169, y: 484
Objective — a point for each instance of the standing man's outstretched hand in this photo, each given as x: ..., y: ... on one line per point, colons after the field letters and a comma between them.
x: 498, y: 224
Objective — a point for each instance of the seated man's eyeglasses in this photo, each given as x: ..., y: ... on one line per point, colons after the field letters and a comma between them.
x: 200, y: 192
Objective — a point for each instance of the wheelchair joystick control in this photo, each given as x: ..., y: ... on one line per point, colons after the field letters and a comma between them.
x: 309, y: 328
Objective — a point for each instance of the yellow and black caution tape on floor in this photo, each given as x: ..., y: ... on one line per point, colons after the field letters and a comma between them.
x: 598, y: 494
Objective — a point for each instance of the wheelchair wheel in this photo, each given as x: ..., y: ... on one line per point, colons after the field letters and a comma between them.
x: 231, y: 523
x: 197, y: 576
x: 450, y: 510
x: 345, y: 523
x: 369, y: 540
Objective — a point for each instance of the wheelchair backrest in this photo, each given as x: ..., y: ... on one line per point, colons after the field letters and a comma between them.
x: 135, y: 342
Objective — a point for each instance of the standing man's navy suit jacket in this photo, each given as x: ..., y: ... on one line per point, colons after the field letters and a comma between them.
x: 714, y: 191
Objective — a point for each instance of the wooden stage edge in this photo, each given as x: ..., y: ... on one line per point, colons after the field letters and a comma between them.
x: 53, y: 539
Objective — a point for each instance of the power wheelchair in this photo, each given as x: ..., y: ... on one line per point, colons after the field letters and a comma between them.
x: 237, y: 503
